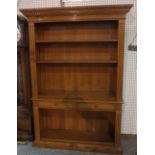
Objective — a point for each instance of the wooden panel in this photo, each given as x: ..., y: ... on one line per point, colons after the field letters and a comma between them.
x: 79, y: 31
x: 77, y: 78
x: 77, y: 51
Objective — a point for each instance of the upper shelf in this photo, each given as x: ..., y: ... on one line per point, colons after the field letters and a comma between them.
x: 101, y: 31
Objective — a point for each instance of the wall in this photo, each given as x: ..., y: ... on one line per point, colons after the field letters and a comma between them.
x: 129, y: 113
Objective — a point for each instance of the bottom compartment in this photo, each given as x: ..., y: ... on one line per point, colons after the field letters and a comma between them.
x: 85, y: 126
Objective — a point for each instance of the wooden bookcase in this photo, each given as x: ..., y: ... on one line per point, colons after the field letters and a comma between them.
x: 76, y: 56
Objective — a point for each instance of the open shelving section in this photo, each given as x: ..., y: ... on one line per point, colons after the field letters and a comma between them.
x: 85, y: 126
x: 76, y: 72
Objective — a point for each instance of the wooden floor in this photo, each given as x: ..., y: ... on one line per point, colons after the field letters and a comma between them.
x: 129, y: 144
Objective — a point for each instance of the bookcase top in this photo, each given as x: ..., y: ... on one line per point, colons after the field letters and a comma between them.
x: 80, y: 13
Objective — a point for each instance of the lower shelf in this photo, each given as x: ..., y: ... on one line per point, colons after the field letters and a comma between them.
x: 83, y: 136
x: 77, y: 130
x: 82, y: 126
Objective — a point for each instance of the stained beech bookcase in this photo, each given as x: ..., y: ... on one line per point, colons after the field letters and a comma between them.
x: 76, y: 56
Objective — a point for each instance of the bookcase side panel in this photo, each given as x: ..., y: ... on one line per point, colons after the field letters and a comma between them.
x: 33, y: 60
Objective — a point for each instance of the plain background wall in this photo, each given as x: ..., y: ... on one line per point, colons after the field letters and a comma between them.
x: 129, y: 108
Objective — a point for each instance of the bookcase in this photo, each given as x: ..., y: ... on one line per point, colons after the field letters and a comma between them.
x: 76, y: 57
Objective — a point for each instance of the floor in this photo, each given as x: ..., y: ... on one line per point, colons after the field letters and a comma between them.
x: 129, y: 148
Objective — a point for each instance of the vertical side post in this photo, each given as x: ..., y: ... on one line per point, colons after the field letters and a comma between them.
x: 117, y: 128
x: 33, y: 60
x: 33, y: 67
x: 120, y: 60
x: 36, y: 123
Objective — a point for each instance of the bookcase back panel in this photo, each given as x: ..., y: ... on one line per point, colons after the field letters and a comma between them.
x: 67, y: 122
x: 77, y: 51
x: 104, y: 30
x: 77, y: 78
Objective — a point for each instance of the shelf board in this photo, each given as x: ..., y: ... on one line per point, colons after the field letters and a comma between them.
x: 78, y: 95
x: 76, y: 61
x: 62, y: 134
x: 75, y: 41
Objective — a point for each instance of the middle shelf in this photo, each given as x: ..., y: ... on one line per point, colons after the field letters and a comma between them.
x: 77, y: 41
x: 76, y: 61
x: 77, y: 53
